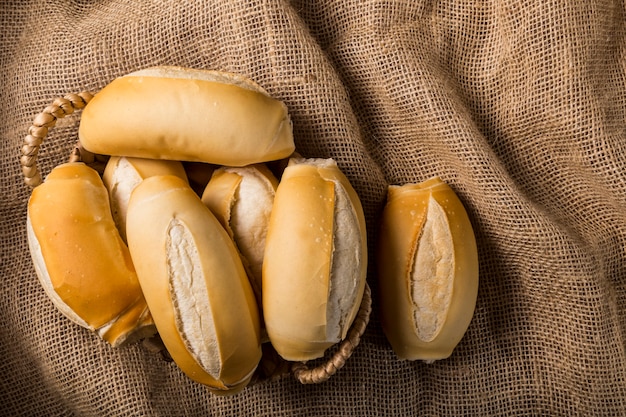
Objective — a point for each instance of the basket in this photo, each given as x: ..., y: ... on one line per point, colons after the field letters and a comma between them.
x: 272, y: 366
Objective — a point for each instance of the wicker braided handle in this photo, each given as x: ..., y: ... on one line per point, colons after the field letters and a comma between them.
x: 66, y: 105
x: 59, y: 108
x: 346, y: 347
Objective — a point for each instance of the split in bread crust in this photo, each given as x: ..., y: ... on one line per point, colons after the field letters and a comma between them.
x: 315, y: 260
x: 195, y: 284
x: 427, y: 270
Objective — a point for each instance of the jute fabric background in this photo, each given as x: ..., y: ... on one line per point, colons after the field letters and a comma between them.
x: 519, y: 105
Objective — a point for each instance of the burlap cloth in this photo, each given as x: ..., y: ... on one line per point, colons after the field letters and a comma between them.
x: 519, y: 105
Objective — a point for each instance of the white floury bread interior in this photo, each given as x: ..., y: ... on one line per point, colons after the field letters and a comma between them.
x: 187, y: 114
x: 242, y: 199
x: 195, y: 284
x: 428, y: 270
x: 80, y: 259
x: 121, y: 176
x: 315, y: 260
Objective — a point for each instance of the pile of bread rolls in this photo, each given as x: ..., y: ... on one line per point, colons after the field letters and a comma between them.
x: 206, y: 228
x: 188, y: 233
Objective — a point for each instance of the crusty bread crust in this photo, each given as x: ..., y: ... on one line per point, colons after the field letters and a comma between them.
x: 187, y: 115
x: 181, y: 251
x: 80, y: 258
x: 242, y: 199
x: 427, y: 255
x: 199, y: 74
x: 315, y: 260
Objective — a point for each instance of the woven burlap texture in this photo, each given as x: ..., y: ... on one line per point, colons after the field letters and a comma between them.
x: 519, y: 105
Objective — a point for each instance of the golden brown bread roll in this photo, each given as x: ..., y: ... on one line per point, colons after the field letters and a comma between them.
x: 195, y: 284
x: 315, y: 260
x: 242, y: 199
x: 186, y: 114
x: 427, y: 270
x: 80, y: 258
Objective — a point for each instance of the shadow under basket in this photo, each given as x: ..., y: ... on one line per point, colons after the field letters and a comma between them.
x: 271, y: 366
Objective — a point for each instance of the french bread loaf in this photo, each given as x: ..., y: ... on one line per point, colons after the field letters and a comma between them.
x: 80, y: 259
x: 195, y: 284
x: 242, y: 199
x: 187, y: 114
x: 315, y: 260
x: 427, y: 270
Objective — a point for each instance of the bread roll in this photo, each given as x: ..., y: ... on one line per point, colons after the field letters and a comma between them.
x: 427, y: 270
x: 315, y: 260
x: 195, y: 284
x: 121, y: 176
x: 80, y: 259
x: 187, y: 115
x: 242, y: 198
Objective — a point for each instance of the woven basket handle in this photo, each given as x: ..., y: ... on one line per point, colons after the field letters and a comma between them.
x: 324, y: 371
x: 59, y: 108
